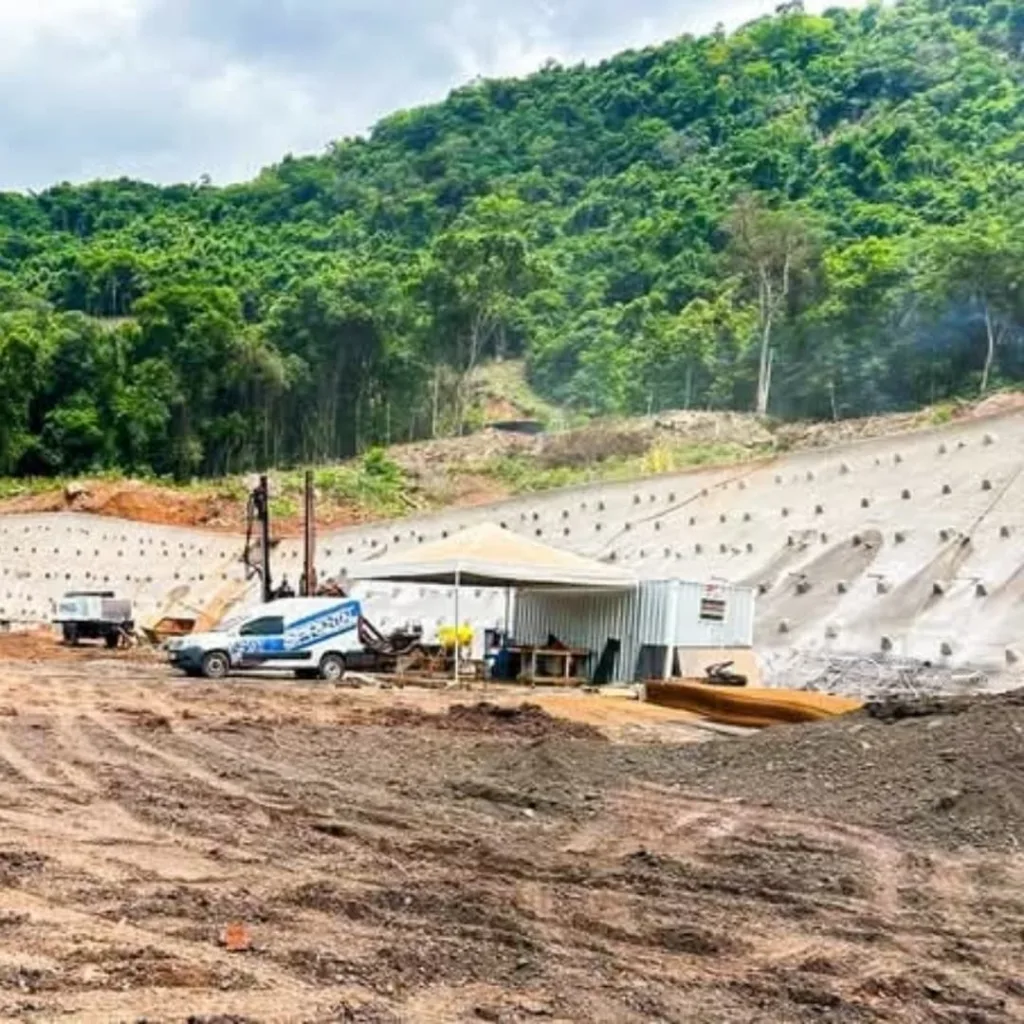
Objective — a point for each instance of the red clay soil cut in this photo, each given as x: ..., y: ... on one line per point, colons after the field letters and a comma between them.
x: 466, y: 864
x: 134, y: 500
x: 166, y: 506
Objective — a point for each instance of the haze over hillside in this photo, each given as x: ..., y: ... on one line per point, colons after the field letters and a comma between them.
x: 816, y: 215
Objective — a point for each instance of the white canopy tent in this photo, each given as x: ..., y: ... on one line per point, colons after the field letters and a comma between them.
x: 490, y: 556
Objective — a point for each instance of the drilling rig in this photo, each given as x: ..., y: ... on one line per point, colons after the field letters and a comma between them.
x: 258, y: 543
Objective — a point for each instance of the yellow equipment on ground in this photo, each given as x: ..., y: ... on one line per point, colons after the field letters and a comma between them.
x: 754, y: 708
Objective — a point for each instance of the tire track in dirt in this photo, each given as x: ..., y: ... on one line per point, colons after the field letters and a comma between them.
x: 337, y: 800
x: 51, y: 746
x: 25, y: 767
x: 67, y: 923
x: 143, y: 749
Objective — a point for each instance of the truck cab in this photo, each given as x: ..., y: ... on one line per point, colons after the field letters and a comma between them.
x: 309, y: 636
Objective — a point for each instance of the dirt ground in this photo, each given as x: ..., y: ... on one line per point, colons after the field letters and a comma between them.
x: 271, y: 851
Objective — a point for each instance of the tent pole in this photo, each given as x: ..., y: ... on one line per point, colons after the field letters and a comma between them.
x: 671, y: 630
x: 458, y: 645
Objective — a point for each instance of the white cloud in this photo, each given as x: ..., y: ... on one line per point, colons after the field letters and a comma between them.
x: 172, y: 89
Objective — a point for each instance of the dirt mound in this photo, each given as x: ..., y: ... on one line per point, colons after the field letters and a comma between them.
x: 996, y: 405
x: 133, y: 500
x: 43, y: 646
x: 527, y: 721
x: 949, y: 773
x: 896, y: 708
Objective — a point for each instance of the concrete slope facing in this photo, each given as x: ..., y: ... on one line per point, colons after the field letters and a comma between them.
x: 908, y: 546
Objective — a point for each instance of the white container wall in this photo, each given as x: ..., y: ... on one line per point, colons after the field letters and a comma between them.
x: 735, y: 627
x: 661, y: 613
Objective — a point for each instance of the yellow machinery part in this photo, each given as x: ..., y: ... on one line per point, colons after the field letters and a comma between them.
x: 735, y: 705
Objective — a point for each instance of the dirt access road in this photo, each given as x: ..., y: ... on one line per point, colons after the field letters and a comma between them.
x: 395, y: 857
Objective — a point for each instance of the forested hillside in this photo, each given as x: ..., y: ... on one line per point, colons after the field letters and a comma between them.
x: 815, y: 215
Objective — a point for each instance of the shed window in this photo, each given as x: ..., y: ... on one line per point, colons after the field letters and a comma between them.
x: 712, y: 608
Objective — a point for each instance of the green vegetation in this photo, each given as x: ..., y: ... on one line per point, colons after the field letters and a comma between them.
x: 523, y: 474
x: 813, y: 216
x: 374, y: 483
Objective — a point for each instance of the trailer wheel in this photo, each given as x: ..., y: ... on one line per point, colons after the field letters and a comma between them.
x: 216, y: 665
x: 332, y: 667
x: 110, y: 639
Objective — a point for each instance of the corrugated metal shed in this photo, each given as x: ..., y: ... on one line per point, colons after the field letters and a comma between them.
x: 656, y: 614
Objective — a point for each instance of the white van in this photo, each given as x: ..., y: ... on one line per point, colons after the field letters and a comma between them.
x: 309, y: 636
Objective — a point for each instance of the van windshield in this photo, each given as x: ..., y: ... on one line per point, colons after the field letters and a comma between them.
x: 228, y: 625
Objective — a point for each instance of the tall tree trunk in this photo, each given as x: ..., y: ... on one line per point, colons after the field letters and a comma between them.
x: 766, y: 308
x: 990, y: 354
x: 764, y: 368
x: 436, y: 401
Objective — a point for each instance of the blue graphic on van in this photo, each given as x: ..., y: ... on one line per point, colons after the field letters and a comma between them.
x: 308, y: 632
x: 300, y: 635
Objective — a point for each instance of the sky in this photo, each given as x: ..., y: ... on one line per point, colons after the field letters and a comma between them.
x: 170, y: 90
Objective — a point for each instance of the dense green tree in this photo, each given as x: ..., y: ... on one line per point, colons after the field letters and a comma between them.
x: 823, y: 210
x: 980, y: 263
x: 772, y: 250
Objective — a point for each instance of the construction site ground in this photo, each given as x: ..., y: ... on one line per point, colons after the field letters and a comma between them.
x: 264, y: 850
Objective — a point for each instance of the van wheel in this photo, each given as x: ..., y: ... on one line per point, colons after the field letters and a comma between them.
x: 216, y: 665
x: 332, y: 667
x: 70, y: 632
